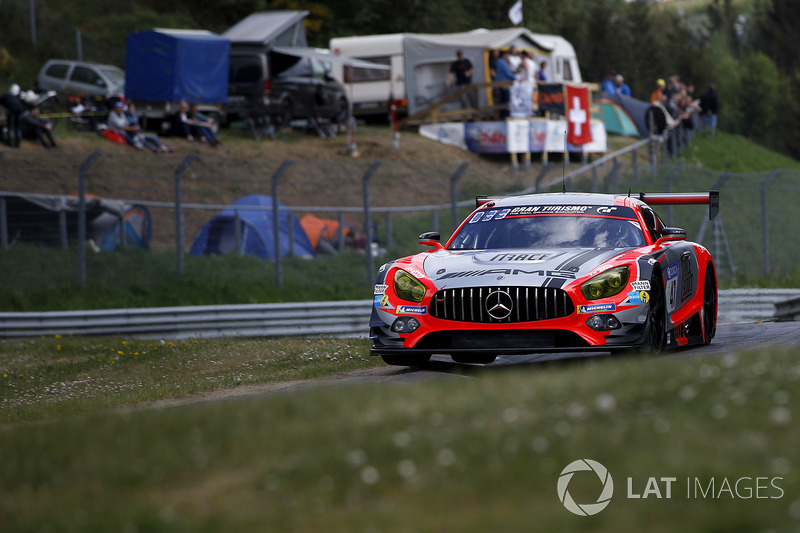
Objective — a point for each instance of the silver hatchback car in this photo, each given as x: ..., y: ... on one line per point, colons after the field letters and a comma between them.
x: 69, y: 78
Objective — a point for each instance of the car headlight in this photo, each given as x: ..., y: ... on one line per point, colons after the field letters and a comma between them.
x: 609, y: 283
x: 408, y: 287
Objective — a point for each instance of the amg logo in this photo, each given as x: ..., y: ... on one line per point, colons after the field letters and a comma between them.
x: 519, y: 257
x: 509, y: 272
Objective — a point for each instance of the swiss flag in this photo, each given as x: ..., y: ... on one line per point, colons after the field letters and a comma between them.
x: 578, y: 131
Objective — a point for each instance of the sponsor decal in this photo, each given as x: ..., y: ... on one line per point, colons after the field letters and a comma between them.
x: 489, y: 215
x: 509, y: 272
x: 382, y: 302
x: 412, y: 309
x: 638, y: 297
x: 672, y: 287
x: 414, y: 272
x: 606, y: 210
x: 380, y: 289
x: 643, y: 285
x: 476, y: 217
x: 549, y: 209
x: 520, y: 257
x: 595, y: 308
x: 502, y: 214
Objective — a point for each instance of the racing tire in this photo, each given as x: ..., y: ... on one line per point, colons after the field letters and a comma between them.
x: 405, y: 359
x: 709, y: 305
x: 656, y: 316
x: 475, y: 359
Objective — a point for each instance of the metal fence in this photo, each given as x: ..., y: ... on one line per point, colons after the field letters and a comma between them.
x: 389, y: 201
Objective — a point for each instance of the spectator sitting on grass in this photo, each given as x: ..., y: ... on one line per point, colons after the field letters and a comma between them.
x: 202, y: 126
x: 34, y: 127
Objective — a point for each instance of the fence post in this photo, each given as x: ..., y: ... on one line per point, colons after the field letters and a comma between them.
x: 276, y: 221
x: 764, y: 230
x: 290, y: 223
x: 388, y: 229
x: 3, y: 223
x: 62, y: 229
x: 341, y: 232
x: 635, y: 165
x: 237, y: 232
x: 435, y: 220
x: 367, y: 219
x: 668, y: 188
x: 542, y: 174
x: 82, y: 217
x: 179, y: 229
x: 453, y: 196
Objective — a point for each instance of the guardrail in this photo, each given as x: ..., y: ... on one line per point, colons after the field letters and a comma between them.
x: 345, y: 318
x: 788, y: 310
x: 348, y: 318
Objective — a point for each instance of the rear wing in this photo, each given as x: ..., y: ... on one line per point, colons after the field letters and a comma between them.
x: 711, y: 198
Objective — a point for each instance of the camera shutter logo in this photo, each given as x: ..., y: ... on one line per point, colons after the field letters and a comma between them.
x: 585, y: 509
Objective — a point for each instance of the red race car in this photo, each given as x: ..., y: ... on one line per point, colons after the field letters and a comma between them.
x: 549, y: 272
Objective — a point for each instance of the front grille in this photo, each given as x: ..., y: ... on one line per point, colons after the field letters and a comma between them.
x: 489, y: 304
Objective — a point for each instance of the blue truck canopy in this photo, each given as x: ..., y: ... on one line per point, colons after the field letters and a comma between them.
x: 167, y: 65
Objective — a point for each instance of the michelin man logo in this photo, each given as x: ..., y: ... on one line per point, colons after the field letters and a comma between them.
x: 585, y: 509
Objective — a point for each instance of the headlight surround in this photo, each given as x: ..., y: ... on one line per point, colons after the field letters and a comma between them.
x: 407, y: 287
x: 609, y: 283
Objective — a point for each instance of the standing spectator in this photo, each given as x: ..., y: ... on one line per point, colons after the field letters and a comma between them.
x: 461, y: 69
x: 609, y: 85
x: 622, y: 87
x: 540, y: 74
x: 15, y: 109
x: 514, y: 60
x: 35, y: 127
x: 709, y: 107
x: 504, y: 73
x: 654, y: 96
x: 530, y: 67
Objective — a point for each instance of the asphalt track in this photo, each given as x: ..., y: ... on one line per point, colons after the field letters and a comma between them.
x: 729, y: 338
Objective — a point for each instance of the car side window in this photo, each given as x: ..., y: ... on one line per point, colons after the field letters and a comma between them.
x: 58, y: 70
x: 651, y: 221
x: 85, y: 75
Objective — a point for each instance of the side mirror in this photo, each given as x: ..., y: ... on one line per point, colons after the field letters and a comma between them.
x: 672, y: 234
x: 431, y: 238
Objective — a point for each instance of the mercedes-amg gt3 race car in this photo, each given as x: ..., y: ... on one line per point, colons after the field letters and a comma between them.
x: 549, y: 272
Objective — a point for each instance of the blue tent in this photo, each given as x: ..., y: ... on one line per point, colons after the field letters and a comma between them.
x: 171, y: 65
x: 219, y: 236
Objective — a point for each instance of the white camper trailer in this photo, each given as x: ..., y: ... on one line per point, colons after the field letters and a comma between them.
x: 372, y: 89
x: 420, y: 63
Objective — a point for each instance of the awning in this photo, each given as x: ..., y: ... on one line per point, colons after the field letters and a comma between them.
x: 327, y: 56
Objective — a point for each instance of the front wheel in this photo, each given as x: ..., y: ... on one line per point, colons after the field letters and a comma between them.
x: 405, y: 359
x: 656, y: 316
x: 709, y: 305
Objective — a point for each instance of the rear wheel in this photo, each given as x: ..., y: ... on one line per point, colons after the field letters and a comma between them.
x: 405, y: 359
x: 709, y: 305
x: 656, y: 316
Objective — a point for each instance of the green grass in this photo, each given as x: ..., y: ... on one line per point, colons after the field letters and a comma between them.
x: 64, y: 376
x: 481, y: 452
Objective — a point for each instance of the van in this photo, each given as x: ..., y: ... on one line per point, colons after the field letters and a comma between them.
x: 69, y: 78
x: 286, y: 85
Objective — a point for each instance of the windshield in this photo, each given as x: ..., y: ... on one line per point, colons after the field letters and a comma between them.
x: 115, y: 75
x: 536, y: 227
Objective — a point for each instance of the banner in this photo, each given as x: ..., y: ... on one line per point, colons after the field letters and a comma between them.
x: 451, y: 133
x: 578, y: 130
x: 515, y: 13
x: 551, y: 97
